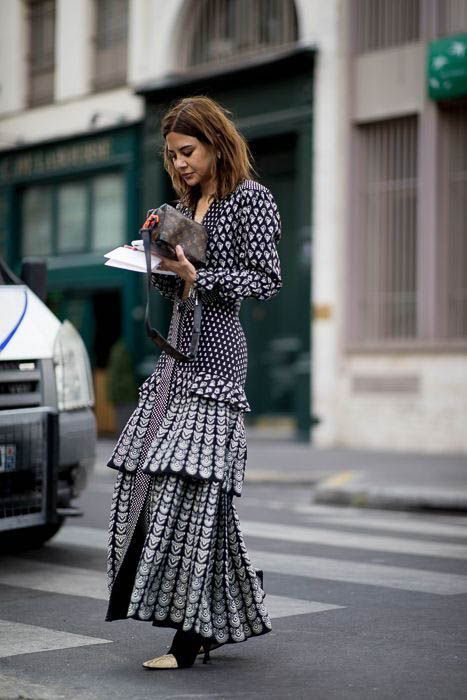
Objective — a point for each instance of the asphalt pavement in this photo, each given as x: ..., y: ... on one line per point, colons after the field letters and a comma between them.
x: 365, y: 603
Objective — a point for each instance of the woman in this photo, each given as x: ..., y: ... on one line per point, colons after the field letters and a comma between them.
x: 176, y: 554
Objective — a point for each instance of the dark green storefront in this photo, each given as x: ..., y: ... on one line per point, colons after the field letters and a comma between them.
x: 74, y: 199
x: 70, y: 201
x: 271, y: 102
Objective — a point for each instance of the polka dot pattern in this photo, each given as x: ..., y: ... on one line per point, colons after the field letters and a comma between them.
x: 242, y: 261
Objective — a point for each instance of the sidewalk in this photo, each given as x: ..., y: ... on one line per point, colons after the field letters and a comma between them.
x: 363, y: 478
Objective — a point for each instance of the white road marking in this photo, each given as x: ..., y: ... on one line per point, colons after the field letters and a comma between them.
x: 18, y: 638
x: 353, y: 540
x: 282, y: 606
x: 438, y: 525
x: 402, y: 578
x: 82, y: 536
x: 68, y: 580
x: 399, y: 524
x: 53, y: 578
x: 94, y: 537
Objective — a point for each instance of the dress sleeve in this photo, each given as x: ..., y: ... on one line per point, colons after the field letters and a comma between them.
x: 170, y: 286
x: 258, y: 270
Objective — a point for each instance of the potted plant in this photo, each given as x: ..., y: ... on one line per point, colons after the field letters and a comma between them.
x: 122, y: 389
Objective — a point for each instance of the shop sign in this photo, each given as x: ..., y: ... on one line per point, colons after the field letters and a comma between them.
x: 447, y: 68
x: 47, y: 161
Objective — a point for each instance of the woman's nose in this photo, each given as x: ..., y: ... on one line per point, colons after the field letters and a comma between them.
x: 180, y: 163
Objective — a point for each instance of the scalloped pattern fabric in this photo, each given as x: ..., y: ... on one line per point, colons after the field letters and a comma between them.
x: 127, y: 451
x: 200, y: 438
x: 176, y: 553
x: 193, y: 571
x: 202, y: 430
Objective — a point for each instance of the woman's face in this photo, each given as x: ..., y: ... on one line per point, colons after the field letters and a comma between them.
x: 191, y: 158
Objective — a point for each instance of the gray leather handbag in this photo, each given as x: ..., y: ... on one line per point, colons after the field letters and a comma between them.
x: 169, y: 228
x: 163, y: 230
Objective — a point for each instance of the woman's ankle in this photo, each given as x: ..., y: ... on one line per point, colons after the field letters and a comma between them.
x: 185, y: 647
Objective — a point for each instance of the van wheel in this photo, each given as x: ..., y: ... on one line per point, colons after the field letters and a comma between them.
x: 16, y: 541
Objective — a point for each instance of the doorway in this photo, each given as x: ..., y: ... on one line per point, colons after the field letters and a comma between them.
x: 277, y: 328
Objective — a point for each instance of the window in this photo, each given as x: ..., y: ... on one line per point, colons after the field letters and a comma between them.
x: 111, y: 21
x: 37, y: 221
x: 108, y: 221
x: 381, y: 24
x: 452, y: 16
x: 71, y: 212
x: 384, y: 275
x: 41, y: 58
x: 222, y: 31
x: 453, y: 229
x: 74, y: 217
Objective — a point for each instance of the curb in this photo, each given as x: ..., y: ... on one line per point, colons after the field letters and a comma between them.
x: 366, y: 495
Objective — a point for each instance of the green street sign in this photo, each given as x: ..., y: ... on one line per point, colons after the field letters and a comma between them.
x: 447, y: 67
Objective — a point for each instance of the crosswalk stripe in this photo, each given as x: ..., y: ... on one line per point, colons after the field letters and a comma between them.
x: 82, y: 536
x: 283, y: 606
x: 403, y: 578
x: 442, y: 526
x: 68, y: 580
x: 415, y: 528
x: 53, y: 578
x: 18, y: 638
x: 334, y: 538
x: 291, y: 533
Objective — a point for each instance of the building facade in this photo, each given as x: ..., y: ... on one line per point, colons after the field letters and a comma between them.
x: 395, y: 317
x: 366, y: 345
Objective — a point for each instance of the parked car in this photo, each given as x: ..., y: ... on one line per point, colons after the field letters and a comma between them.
x: 47, y: 424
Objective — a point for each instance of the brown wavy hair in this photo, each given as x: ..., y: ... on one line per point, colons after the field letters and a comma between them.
x: 210, y: 123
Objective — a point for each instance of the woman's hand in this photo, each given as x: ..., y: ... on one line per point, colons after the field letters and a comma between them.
x: 182, y: 266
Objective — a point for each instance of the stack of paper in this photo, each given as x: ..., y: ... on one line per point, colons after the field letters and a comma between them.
x: 132, y: 258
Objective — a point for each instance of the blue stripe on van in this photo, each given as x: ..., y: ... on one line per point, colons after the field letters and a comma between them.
x: 10, y: 335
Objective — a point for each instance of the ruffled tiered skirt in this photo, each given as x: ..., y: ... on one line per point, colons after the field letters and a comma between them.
x: 176, y: 552
x: 199, y: 433
x: 188, y: 566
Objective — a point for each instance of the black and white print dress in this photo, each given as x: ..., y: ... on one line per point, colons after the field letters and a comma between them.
x: 176, y: 553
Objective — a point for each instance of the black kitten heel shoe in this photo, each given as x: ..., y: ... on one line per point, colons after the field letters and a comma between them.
x: 182, y: 653
x: 209, y: 646
x: 206, y: 648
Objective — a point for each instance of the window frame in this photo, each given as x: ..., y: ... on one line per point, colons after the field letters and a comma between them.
x: 55, y: 185
x: 431, y: 277
x: 101, y: 79
x: 35, y: 71
x: 377, y: 44
x: 196, y: 15
x: 355, y: 329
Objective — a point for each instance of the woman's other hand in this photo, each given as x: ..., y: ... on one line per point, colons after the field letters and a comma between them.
x: 182, y: 266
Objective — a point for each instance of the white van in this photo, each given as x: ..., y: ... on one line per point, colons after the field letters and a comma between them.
x: 47, y: 425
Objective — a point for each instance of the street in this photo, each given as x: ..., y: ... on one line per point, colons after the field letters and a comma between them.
x: 364, y: 604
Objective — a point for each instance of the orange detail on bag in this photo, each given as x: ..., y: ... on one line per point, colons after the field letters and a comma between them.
x: 151, y: 221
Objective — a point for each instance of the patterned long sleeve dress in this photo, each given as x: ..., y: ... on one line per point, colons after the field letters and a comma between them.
x: 176, y: 553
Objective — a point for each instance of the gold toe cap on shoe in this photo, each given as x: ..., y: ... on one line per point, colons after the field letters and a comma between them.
x: 166, y: 661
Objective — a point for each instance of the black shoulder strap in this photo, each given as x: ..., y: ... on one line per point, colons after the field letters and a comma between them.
x: 154, y: 334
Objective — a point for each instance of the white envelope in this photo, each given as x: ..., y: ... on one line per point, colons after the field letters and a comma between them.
x: 134, y: 260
